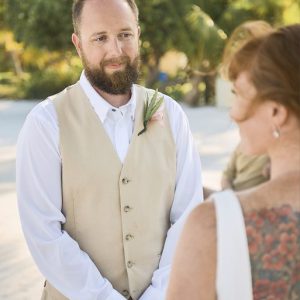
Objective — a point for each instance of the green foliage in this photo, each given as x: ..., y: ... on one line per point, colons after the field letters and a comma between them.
x: 194, y: 27
x: 41, y: 23
x: 9, y: 83
x: 2, y: 13
x: 36, y: 85
x: 42, y: 84
x: 150, y: 108
x: 152, y: 105
x: 208, y: 41
x: 240, y: 11
x: 214, y: 8
x: 176, y: 91
x: 155, y: 39
x: 6, y: 63
x: 292, y: 13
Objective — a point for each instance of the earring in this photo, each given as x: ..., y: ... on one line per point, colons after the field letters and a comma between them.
x: 276, y: 133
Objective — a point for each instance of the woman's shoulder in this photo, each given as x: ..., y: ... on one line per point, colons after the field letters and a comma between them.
x: 195, y: 258
x: 203, y: 215
x: 200, y: 227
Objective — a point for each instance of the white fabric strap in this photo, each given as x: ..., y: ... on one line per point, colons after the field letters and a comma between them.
x: 234, y: 280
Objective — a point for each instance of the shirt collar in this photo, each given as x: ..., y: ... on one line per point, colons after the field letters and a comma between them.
x: 100, y: 105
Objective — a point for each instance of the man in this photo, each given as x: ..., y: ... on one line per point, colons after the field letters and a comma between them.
x: 101, y: 204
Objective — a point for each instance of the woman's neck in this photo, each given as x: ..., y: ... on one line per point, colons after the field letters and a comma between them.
x: 285, y: 157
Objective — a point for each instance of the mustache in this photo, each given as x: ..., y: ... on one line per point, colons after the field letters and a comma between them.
x: 118, y: 60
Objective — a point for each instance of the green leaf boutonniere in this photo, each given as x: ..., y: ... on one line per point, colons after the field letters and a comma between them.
x: 153, y: 110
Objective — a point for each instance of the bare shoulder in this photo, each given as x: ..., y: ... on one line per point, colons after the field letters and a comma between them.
x: 194, y: 266
x: 202, y: 219
x: 199, y: 232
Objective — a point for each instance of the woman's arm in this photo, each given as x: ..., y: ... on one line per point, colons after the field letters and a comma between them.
x: 194, y: 266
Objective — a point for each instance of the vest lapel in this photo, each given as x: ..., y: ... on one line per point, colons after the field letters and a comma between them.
x: 86, y: 105
x: 138, y: 119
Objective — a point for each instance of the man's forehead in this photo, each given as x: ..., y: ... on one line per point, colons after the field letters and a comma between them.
x: 110, y: 12
x: 105, y: 6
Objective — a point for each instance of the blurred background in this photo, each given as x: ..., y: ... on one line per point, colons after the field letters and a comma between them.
x: 181, y: 44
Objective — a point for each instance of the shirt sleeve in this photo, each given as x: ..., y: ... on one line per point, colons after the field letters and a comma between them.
x: 188, y: 194
x: 38, y: 171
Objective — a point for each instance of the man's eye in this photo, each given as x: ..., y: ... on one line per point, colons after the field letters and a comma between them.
x: 100, y: 39
x: 125, y: 35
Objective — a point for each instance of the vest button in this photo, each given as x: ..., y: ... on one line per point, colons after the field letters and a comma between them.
x: 130, y: 264
x: 129, y: 237
x: 127, y: 208
x: 125, y: 293
x: 125, y: 180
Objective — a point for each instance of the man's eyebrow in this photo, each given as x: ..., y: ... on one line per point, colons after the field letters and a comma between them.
x: 98, y: 33
x: 127, y: 29
x: 104, y: 32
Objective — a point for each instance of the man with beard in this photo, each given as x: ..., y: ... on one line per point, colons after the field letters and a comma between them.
x: 103, y: 194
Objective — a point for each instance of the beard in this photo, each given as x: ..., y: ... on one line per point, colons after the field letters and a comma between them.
x: 117, y: 83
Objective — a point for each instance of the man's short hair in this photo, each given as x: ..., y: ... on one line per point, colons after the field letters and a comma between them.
x: 78, y: 6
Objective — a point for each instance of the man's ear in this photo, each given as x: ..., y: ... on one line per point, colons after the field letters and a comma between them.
x: 139, y: 40
x: 76, y: 42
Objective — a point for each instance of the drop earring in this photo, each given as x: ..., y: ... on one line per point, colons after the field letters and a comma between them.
x: 276, y: 133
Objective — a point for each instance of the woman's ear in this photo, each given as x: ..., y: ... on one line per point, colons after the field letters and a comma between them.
x: 279, y: 114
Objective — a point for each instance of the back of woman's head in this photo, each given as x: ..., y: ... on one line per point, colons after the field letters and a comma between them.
x: 273, y: 65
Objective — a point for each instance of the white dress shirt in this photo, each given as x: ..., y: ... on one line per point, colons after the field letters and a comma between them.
x: 38, y: 169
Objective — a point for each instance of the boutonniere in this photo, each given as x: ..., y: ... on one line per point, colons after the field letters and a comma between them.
x: 153, y: 110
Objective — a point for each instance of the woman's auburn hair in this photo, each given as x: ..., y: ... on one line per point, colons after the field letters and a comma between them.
x: 272, y: 62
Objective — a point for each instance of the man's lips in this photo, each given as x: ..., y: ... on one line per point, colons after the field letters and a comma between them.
x: 114, y: 65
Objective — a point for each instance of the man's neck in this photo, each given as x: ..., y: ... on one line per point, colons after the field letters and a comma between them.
x: 114, y: 100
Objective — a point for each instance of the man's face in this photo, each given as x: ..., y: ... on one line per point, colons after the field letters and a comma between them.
x: 108, y: 45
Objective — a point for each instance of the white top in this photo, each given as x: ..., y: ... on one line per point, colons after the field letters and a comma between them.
x: 38, y: 171
x: 233, y: 279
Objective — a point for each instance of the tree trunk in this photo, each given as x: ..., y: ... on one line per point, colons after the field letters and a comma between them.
x: 209, y: 94
x: 17, y: 63
x: 194, y: 96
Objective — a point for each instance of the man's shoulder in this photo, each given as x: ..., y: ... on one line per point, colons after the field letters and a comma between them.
x: 44, y: 110
x: 64, y: 92
x: 45, y: 107
x: 41, y: 120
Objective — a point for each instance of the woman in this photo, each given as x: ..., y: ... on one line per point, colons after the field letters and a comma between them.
x: 242, y: 171
x: 248, y: 246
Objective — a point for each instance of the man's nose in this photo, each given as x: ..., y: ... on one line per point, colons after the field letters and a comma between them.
x: 115, y: 47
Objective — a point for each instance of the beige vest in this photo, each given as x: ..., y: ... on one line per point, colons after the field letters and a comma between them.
x: 118, y: 213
